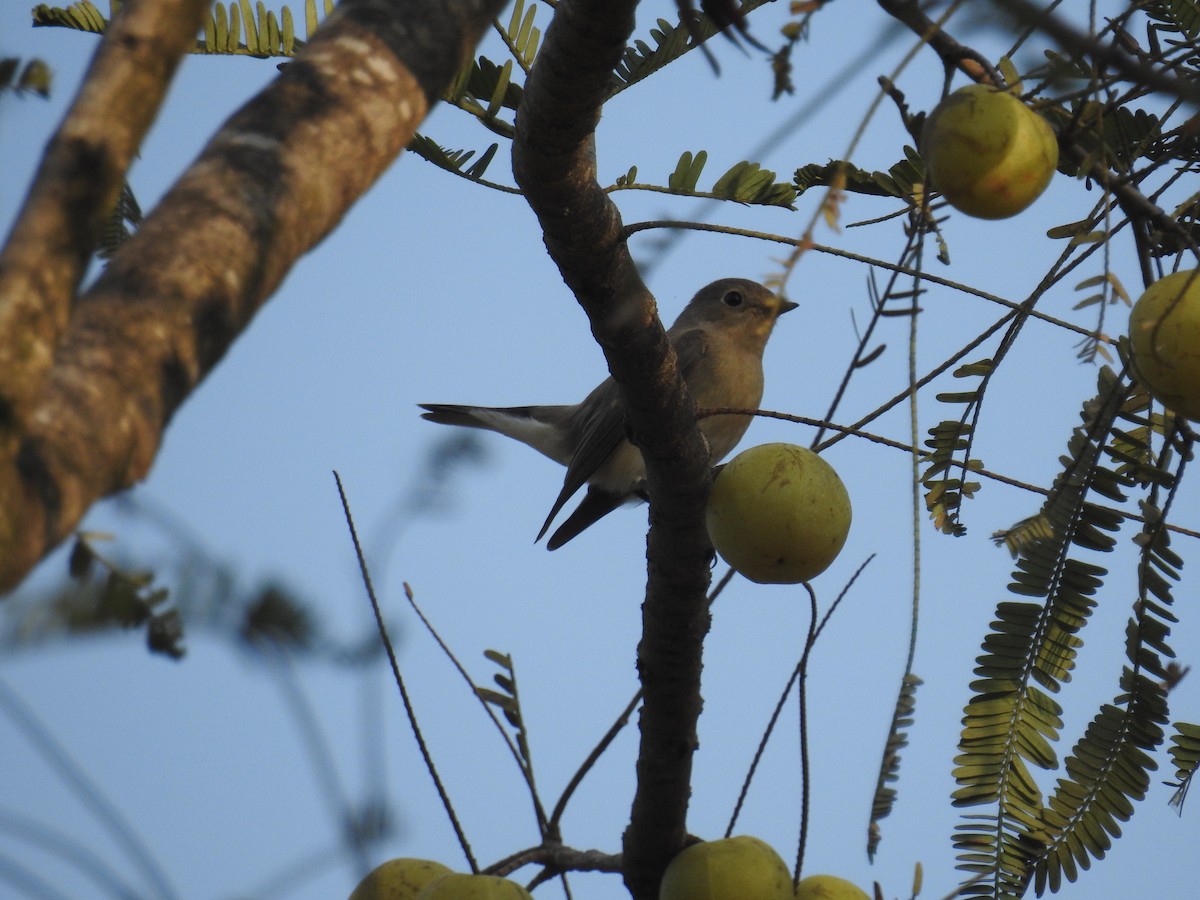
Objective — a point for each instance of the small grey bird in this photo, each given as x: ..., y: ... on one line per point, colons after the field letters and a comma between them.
x: 719, y: 339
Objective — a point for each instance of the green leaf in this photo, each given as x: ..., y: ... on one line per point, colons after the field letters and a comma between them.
x: 687, y: 172
x: 222, y: 27
x: 1182, y: 16
x: 1012, y: 722
x: 521, y: 32
x: 456, y: 160
x: 898, y: 181
x: 32, y: 77
x: 82, y: 16
x: 500, y: 90
x: 310, y: 18
x: 508, y: 701
x: 288, y: 37
x: 274, y: 38
x: 1185, y: 755
x: 748, y: 182
x: 640, y: 60
x: 247, y: 16
x: 488, y: 81
x: 479, y: 167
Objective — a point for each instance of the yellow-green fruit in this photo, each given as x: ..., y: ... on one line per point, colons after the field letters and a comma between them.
x: 1164, y: 339
x: 739, y: 868
x: 398, y: 879
x: 778, y: 514
x: 473, y: 887
x: 828, y: 887
x: 988, y: 153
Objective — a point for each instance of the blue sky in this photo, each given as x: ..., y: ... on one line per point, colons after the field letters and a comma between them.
x: 434, y: 290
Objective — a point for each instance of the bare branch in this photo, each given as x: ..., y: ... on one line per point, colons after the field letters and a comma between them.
x: 270, y: 185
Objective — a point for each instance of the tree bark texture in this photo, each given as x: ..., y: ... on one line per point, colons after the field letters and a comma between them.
x: 89, y: 383
x: 555, y: 164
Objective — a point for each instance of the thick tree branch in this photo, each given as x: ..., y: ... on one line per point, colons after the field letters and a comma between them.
x: 270, y: 185
x: 75, y: 188
x: 1108, y: 54
x: 554, y: 162
x: 954, y: 55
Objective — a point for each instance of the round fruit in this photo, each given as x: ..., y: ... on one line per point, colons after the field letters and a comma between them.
x: 398, y: 879
x: 988, y: 153
x: 1164, y: 339
x: 473, y: 887
x: 828, y: 887
x: 778, y: 514
x: 739, y: 868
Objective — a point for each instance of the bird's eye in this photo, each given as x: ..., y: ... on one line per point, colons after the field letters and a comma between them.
x: 733, y: 298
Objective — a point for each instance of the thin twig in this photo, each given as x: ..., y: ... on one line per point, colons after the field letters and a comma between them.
x: 408, y: 706
x: 85, y: 789
x: 68, y: 852
x: 621, y: 721
x: 860, y: 352
x: 858, y: 257
x: 319, y: 754
x: 586, y: 766
x: 814, y: 630
x: 856, y: 431
x: 539, y: 810
x: 556, y: 857
x: 801, y: 676
x: 1102, y: 55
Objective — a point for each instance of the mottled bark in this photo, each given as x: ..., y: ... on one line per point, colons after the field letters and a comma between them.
x: 105, y: 378
x: 76, y: 185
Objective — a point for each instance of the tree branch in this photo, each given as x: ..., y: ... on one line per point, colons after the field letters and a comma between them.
x: 554, y: 163
x: 75, y: 188
x: 1102, y: 55
x: 954, y: 55
x: 270, y: 185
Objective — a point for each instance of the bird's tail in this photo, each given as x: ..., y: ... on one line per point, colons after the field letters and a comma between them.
x: 537, y: 426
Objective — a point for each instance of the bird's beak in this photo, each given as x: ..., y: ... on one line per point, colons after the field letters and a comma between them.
x: 785, y: 306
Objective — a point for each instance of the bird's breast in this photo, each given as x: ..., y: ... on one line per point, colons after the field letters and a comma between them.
x: 723, y: 433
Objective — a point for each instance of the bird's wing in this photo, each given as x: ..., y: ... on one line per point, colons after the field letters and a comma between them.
x: 601, y: 428
x: 596, y: 504
x: 691, y: 347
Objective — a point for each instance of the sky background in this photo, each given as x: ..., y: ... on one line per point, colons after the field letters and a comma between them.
x: 436, y: 290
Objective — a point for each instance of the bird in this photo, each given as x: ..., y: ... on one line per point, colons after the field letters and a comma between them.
x: 718, y: 338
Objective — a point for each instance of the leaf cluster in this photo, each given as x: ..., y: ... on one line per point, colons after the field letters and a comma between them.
x: 744, y: 182
x: 1012, y: 722
x: 948, y: 456
x: 486, y: 89
x: 233, y: 28
x: 884, y: 798
x: 31, y: 77
x: 902, y: 180
x: 123, y: 598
